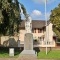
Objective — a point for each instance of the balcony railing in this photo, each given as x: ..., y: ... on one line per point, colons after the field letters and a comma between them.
x: 44, y: 44
x: 40, y: 44
x: 48, y: 42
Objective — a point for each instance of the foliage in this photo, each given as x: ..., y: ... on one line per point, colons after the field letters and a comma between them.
x: 55, y: 20
x: 10, y: 17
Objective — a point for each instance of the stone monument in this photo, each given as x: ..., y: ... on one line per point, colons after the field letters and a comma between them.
x: 28, y: 24
x: 11, y: 51
x: 28, y: 39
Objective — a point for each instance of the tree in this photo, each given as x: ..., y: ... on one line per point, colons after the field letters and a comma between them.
x: 10, y: 17
x: 55, y: 20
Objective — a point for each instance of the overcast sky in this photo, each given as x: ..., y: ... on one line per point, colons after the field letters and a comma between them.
x: 36, y: 8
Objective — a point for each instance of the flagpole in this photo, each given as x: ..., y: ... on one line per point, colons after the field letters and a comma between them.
x: 46, y: 23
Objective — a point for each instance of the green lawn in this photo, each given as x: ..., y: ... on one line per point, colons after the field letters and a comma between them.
x: 50, y: 55
x: 5, y: 53
x: 41, y: 55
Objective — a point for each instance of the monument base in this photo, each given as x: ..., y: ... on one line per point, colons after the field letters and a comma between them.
x: 32, y: 52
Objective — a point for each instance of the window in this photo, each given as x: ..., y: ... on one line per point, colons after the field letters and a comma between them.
x: 39, y: 30
x: 39, y: 38
x: 43, y: 38
x: 34, y: 30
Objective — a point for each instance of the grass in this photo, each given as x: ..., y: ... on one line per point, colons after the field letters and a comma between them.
x: 5, y: 53
x: 50, y: 55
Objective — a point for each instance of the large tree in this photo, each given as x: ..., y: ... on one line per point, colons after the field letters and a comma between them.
x: 10, y: 17
x: 55, y: 20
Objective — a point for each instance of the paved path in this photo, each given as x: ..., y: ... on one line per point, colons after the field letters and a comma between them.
x: 7, y: 58
x: 27, y: 57
x: 22, y: 57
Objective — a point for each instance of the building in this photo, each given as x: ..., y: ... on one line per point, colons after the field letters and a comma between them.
x: 39, y: 35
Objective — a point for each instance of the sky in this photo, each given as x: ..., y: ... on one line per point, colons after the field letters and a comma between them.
x: 36, y: 8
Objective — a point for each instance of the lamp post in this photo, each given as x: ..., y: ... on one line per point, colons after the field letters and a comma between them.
x: 46, y: 23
